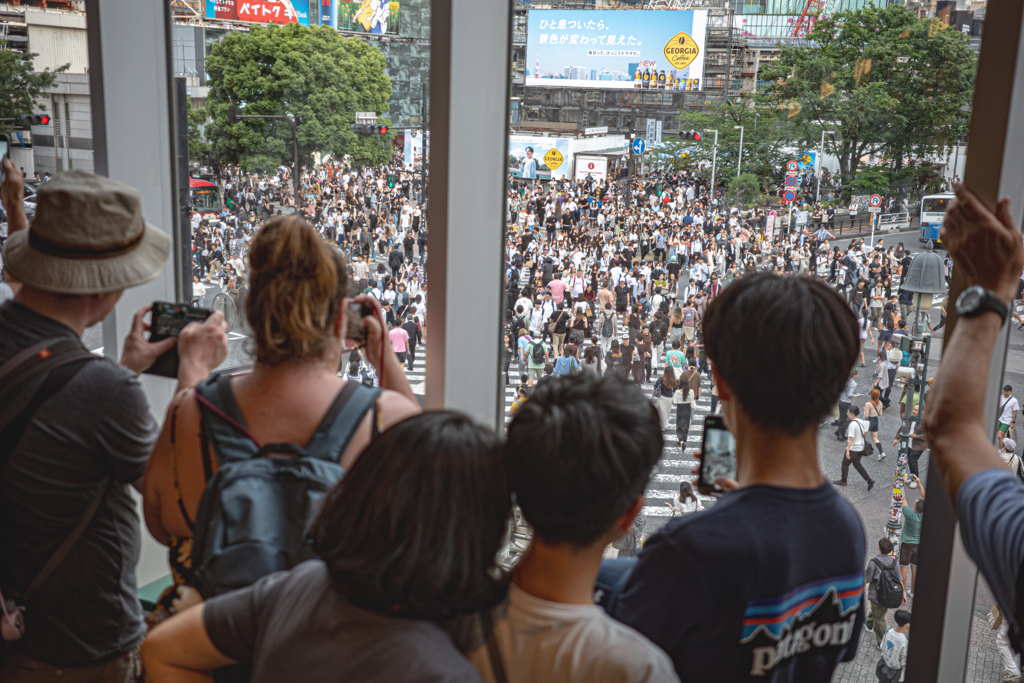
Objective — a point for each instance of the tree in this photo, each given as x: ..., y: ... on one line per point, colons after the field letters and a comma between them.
x: 21, y: 87
x: 313, y: 74
x: 766, y: 132
x: 198, y: 146
x: 890, y: 84
x: 745, y: 190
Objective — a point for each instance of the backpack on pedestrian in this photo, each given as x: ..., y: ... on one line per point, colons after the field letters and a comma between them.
x: 537, y: 353
x: 607, y: 329
x: 888, y: 585
x: 255, y: 510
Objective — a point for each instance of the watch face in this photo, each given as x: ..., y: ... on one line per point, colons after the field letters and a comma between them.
x: 970, y: 300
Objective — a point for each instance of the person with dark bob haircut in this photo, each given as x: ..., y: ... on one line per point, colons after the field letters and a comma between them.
x: 578, y: 456
x: 409, y: 537
x: 719, y: 591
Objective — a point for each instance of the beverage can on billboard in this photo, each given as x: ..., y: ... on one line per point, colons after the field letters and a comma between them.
x: 646, y: 49
x: 329, y: 13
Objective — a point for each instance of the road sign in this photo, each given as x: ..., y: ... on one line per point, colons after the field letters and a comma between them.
x: 657, y: 134
x: 874, y: 209
x: 874, y: 200
x: 792, y: 165
x: 790, y: 181
x: 599, y: 130
x: 652, y: 131
x: 553, y: 159
x: 789, y: 195
x: 639, y: 146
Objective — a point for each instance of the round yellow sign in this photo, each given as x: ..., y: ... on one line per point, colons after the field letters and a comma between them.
x: 553, y: 159
x: 681, y: 50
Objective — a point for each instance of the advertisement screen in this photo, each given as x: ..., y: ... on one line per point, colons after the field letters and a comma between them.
x: 647, y: 49
x: 595, y: 167
x: 260, y: 11
x: 362, y: 16
x: 537, y: 157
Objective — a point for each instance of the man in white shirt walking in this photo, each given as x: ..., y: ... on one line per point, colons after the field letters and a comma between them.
x: 855, y: 447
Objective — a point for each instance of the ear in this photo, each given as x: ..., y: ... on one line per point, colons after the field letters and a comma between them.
x: 625, y: 522
x: 724, y: 392
x: 338, y: 326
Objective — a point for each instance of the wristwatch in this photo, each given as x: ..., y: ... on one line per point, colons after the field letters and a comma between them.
x: 976, y: 300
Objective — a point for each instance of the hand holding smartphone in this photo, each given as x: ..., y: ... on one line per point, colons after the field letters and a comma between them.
x: 718, y: 456
x: 168, y: 320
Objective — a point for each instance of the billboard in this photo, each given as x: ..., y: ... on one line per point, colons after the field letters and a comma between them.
x: 538, y: 157
x: 260, y: 11
x: 362, y: 16
x: 646, y: 49
x: 595, y: 167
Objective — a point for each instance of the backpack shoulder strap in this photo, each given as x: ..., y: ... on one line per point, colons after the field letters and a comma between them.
x: 59, y: 360
x: 222, y: 424
x: 341, y: 421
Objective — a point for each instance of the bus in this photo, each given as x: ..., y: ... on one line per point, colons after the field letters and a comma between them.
x: 203, y: 196
x: 933, y: 212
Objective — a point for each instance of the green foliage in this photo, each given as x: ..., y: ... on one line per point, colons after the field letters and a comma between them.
x: 313, y: 74
x: 21, y: 87
x: 766, y: 132
x: 745, y: 190
x: 871, y: 180
x: 909, y: 103
x: 198, y: 146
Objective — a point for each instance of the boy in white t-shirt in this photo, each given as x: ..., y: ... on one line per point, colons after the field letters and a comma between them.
x: 891, y: 668
x: 578, y: 457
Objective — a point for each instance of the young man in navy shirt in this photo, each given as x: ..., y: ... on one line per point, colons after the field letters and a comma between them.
x: 768, y: 584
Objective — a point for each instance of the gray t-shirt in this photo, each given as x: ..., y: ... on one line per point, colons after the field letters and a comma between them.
x: 97, y: 426
x: 295, y: 626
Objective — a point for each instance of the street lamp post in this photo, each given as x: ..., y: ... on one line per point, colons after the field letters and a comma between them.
x: 739, y: 165
x: 924, y: 280
x: 235, y: 114
x: 821, y: 153
x: 714, y: 159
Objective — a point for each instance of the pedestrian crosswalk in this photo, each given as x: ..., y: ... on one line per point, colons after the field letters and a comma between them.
x: 678, y: 460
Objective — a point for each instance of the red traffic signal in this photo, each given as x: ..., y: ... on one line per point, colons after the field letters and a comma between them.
x: 369, y: 129
x: 694, y: 135
x: 29, y: 120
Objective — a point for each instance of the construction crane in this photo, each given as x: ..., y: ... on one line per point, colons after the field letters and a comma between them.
x: 813, y: 10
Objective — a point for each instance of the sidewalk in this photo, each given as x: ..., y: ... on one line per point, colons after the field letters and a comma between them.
x: 983, y: 662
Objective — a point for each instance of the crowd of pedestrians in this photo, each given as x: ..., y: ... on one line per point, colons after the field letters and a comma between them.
x: 396, y: 576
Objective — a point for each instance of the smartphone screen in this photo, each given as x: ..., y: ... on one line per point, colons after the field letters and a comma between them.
x: 170, y: 319
x: 718, y: 454
x: 5, y: 148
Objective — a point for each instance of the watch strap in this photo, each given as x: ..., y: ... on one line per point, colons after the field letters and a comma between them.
x: 990, y: 302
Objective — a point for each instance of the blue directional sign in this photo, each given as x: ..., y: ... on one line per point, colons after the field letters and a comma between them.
x: 639, y: 146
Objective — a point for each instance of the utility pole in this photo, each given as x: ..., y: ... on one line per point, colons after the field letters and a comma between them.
x: 739, y: 165
x: 821, y: 154
x: 423, y: 147
x: 714, y: 160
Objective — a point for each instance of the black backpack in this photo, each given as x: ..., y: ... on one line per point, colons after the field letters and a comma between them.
x: 255, y: 510
x: 537, y: 353
x: 607, y: 330
x: 888, y: 585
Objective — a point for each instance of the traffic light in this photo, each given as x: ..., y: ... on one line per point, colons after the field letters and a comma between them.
x: 29, y: 120
x: 233, y: 113
x: 694, y: 135
x: 369, y: 129
x: 391, y: 181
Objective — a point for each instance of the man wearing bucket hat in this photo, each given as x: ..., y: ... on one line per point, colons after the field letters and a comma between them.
x: 81, y: 432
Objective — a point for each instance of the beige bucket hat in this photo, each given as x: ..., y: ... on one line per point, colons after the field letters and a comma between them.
x: 88, y: 237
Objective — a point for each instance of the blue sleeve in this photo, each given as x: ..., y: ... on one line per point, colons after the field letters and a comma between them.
x: 990, y: 505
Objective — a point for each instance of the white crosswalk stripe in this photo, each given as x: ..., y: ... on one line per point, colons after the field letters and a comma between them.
x: 675, y: 466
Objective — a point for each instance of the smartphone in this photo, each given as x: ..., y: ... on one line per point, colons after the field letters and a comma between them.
x: 354, y: 329
x: 168, y: 320
x: 5, y: 150
x: 718, y: 455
